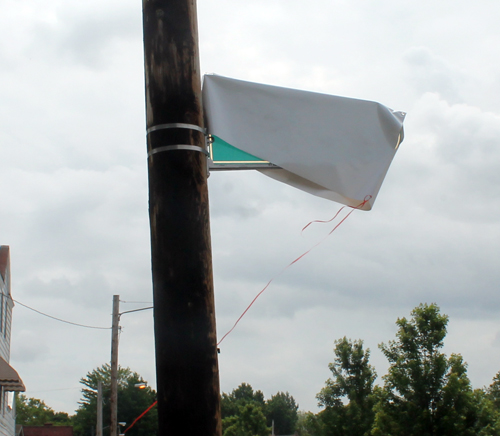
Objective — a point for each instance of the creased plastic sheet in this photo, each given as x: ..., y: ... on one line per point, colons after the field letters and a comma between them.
x: 333, y: 147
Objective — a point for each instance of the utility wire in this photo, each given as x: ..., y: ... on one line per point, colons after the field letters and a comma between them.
x: 136, y: 310
x: 58, y: 319
x: 136, y: 302
x: 53, y: 390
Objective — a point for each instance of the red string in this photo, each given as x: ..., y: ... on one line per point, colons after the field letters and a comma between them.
x: 367, y: 198
x: 140, y: 416
x: 324, y: 222
x: 359, y: 206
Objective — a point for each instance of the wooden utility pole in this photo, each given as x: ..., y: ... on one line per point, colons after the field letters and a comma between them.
x: 99, y: 409
x: 113, y: 427
x: 184, y: 312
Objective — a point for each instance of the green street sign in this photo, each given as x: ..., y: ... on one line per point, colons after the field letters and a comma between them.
x: 226, y: 157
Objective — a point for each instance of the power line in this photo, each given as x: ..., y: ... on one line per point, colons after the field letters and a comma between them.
x: 54, y: 390
x: 136, y: 310
x: 58, y: 319
x: 136, y: 302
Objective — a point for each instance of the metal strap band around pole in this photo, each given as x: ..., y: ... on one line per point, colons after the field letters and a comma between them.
x: 177, y: 146
x: 177, y: 126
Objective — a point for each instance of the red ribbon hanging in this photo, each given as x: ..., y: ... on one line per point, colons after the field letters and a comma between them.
x: 359, y: 206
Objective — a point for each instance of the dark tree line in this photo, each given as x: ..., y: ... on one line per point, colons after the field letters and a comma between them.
x: 32, y: 411
x: 424, y: 393
x: 246, y: 413
x: 131, y: 403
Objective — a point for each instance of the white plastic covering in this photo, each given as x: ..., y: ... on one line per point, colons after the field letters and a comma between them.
x: 333, y: 147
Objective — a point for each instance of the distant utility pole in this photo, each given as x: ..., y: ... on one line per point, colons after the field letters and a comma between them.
x: 99, y: 409
x: 184, y: 310
x: 113, y: 428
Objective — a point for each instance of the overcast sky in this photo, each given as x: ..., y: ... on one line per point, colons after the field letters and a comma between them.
x: 73, y: 188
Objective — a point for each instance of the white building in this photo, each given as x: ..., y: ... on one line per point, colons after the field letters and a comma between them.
x: 10, y: 382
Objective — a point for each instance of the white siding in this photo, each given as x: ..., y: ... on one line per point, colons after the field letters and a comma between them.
x: 6, y: 305
x: 7, y: 415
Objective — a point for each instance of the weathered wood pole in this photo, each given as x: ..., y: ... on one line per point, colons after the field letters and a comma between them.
x: 113, y: 401
x: 98, y: 430
x: 184, y: 310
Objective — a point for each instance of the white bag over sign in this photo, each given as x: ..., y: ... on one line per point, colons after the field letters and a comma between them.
x: 333, y: 147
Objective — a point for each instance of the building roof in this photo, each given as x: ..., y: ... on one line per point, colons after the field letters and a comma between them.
x: 4, y: 261
x: 47, y: 430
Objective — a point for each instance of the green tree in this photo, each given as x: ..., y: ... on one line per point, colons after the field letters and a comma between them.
x: 488, y: 415
x: 493, y: 391
x: 348, y: 396
x: 425, y: 394
x: 282, y: 409
x: 32, y: 411
x: 240, y: 396
x: 308, y: 424
x: 131, y: 403
x: 249, y: 421
x: 488, y: 409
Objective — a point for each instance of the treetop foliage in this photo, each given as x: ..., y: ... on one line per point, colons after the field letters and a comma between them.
x: 131, y: 403
x: 103, y: 374
x: 243, y: 405
x: 240, y: 396
x: 282, y: 409
x: 352, y: 382
x: 32, y: 411
x: 353, y: 375
x: 425, y: 393
x: 249, y: 421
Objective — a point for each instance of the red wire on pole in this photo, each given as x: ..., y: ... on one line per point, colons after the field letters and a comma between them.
x: 140, y: 416
x: 367, y: 198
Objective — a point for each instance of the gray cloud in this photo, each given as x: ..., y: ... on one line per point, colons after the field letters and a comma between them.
x: 88, y: 36
x: 74, y: 188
